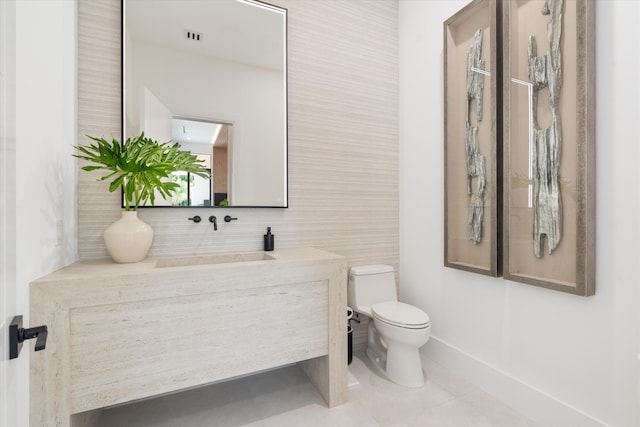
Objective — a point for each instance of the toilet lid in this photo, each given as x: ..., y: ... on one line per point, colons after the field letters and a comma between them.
x: 400, y: 314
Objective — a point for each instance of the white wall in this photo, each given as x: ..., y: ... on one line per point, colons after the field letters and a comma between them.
x: 46, y: 236
x: 8, y: 372
x: 246, y: 100
x: 559, y: 358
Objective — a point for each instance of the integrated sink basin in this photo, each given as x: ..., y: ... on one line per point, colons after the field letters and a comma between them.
x: 223, y: 258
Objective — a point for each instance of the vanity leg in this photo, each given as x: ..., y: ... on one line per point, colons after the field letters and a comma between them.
x: 49, y: 400
x: 329, y: 373
x: 331, y: 387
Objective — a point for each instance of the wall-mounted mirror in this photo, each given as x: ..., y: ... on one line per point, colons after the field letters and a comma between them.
x: 212, y: 76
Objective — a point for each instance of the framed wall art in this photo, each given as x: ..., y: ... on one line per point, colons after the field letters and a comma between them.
x: 548, y: 139
x: 472, y: 128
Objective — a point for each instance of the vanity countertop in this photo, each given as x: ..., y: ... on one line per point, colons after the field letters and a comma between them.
x: 106, y: 267
x: 87, y: 281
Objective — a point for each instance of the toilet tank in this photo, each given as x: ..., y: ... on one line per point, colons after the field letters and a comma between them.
x: 370, y: 284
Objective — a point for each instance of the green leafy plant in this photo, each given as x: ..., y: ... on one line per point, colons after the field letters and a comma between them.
x: 141, y: 167
x: 179, y: 196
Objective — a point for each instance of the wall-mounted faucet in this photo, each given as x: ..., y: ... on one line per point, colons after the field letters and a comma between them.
x: 229, y: 219
x: 213, y: 220
x: 195, y: 219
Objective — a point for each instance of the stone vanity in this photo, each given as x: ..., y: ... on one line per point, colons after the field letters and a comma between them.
x: 123, y: 332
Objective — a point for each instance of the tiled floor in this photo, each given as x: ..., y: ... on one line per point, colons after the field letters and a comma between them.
x: 284, y: 398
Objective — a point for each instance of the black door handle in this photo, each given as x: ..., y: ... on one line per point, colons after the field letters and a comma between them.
x: 17, y: 334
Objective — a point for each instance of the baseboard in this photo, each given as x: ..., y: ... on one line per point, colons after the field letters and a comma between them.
x: 533, y: 403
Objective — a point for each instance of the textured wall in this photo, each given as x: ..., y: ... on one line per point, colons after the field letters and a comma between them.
x: 343, y: 138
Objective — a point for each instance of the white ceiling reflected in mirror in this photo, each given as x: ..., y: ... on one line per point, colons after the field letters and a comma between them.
x: 187, y: 131
x: 211, y: 75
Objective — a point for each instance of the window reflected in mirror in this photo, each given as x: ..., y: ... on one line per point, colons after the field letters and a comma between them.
x: 210, y: 142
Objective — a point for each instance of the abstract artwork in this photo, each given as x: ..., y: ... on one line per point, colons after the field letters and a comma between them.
x: 476, y: 162
x: 472, y: 193
x: 546, y: 72
x: 548, y: 139
x: 519, y: 142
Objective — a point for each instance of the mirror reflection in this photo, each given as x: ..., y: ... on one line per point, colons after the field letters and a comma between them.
x: 210, y: 142
x: 211, y: 75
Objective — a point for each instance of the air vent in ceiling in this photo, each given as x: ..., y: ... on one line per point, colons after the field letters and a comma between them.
x: 193, y: 35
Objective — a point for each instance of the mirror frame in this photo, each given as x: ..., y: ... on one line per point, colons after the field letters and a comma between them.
x: 258, y: 3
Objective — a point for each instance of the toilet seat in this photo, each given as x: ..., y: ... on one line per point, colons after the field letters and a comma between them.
x: 400, y: 314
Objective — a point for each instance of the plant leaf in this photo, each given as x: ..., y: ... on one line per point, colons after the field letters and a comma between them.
x: 140, y: 166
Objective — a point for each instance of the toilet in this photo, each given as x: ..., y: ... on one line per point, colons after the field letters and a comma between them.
x: 396, y: 330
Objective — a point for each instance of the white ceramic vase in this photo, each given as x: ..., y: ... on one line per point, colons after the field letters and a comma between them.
x: 129, y: 238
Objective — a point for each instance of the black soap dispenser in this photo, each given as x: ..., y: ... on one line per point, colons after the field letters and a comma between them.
x: 268, y: 240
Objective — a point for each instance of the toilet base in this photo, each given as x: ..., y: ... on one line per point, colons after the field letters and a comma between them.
x: 399, y: 363
x: 379, y: 360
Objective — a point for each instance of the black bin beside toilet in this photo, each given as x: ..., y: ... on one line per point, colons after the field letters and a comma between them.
x: 349, y: 336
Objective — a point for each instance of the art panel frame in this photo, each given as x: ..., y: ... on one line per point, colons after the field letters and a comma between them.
x: 549, y: 143
x: 472, y: 132
x: 537, y: 152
